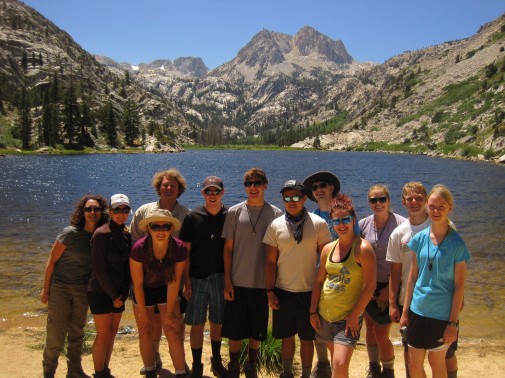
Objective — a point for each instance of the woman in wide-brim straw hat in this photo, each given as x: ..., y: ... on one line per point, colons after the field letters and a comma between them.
x: 156, y: 265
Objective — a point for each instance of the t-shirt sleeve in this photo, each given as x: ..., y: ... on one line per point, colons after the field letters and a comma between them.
x: 394, y: 248
x: 187, y: 229
x: 269, y: 237
x: 66, y: 236
x: 229, y: 224
x: 462, y: 253
x: 324, y: 234
x: 137, y: 252
x: 414, y: 243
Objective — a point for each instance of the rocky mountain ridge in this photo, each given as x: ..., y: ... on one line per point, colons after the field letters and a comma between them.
x: 303, y: 90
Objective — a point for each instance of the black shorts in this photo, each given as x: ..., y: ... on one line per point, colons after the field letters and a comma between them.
x: 158, y: 295
x: 246, y: 316
x: 293, y: 315
x: 425, y: 333
x: 100, y: 304
x: 378, y: 312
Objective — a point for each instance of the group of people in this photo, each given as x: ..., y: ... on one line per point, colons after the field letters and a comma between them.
x: 320, y: 274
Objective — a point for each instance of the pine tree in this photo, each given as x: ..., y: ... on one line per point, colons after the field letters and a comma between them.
x: 71, y: 114
x: 47, y: 132
x: 131, y: 122
x: 110, y: 126
x: 24, y: 61
x: 24, y: 119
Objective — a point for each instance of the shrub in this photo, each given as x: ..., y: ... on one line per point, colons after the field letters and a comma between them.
x: 269, y: 356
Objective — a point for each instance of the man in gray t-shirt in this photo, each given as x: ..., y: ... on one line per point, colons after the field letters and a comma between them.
x: 246, y: 308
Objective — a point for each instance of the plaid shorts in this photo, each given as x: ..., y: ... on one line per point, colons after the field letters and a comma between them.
x: 206, y: 293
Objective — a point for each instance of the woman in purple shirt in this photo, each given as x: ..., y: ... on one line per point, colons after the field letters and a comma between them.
x: 156, y: 265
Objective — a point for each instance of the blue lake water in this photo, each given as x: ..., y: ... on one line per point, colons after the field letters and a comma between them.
x: 37, y: 194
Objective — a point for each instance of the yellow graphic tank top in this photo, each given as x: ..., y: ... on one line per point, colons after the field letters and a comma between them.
x: 342, y: 287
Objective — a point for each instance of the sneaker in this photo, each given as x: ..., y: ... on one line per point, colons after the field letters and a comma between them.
x: 250, y: 370
x: 388, y: 373
x: 374, y: 370
x: 197, y: 370
x: 321, y: 370
x: 217, y: 368
x: 233, y: 370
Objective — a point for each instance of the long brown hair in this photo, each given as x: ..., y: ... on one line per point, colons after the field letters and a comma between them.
x: 77, y: 218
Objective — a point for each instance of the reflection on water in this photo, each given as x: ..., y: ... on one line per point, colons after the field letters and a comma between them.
x: 37, y: 194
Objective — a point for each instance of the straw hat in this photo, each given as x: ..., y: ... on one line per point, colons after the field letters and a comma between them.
x: 159, y: 215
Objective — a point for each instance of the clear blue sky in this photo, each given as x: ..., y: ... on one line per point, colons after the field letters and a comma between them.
x: 140, y: 31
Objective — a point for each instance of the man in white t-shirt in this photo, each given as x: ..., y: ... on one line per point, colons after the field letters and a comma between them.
x: 293, y: 243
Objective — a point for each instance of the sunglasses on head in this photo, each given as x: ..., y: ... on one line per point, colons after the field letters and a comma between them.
x: 255, y: 183
x: 291, y: 198
x: 121, y: 210
x: 344, y: 220
x: 321, y: 185
x: 212, y: 192
x: 160, y: 227
x: 92, y: 209
x: 374, y: 200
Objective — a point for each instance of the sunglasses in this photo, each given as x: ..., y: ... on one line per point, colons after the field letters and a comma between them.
x: 374, y: 200
x: 161, y: 227
x: 256, y: 183
x: 93, y: 209
x: 321, y: 185
x: 211, y: 192
x: 344, y: 220
x: 119, y: 210
x: 291, y: 198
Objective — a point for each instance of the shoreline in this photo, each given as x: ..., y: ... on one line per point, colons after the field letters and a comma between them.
x: 4, y: 152
x: 21, y: 348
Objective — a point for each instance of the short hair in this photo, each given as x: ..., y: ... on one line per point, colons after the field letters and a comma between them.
x: 256, y: 173
x: 414, y: 186
x: 169, y: 173
x: 444, y: 192
x: 77, y: 218
x: 342, y: 202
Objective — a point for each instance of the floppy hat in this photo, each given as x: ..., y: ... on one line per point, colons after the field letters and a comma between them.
x: 325, y: 176
x: 159, y: 215
x: 119, y: 200
x: 293, y: 184
x: 213, y: 181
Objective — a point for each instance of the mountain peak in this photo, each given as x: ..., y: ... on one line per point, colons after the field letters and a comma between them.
x: 309, y: 41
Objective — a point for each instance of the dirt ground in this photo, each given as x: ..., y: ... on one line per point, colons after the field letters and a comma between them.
x: 21, y: 355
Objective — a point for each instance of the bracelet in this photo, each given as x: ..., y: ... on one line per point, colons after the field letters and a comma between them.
x: 453, y: 324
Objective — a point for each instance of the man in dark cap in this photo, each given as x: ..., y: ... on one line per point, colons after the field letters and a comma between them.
x: 322, y: 187
x: 293, y: 244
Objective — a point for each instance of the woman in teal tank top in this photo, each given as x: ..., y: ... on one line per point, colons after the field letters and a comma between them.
x: 345, y: 282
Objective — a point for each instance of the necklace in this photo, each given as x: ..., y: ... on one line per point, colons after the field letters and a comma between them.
x: 257, y: 219
x: 430, y: 262
x: 377, y: 239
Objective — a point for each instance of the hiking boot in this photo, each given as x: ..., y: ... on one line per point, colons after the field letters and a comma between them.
x: 388, y: 373
x: 197, y: 370
x: 321, y: 370
x: 374, y: 370
x: 250, y: 370
x: 151, y: 374
x: 217, y: 368
x: 233, y: 369
x: 77, y: 373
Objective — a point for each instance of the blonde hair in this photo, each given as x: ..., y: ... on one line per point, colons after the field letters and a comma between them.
x: 413, y: 186
x: 444, y: 192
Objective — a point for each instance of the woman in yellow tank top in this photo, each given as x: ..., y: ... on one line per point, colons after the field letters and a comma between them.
x: 344, y: 285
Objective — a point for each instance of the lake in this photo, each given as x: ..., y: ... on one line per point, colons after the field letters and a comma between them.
x: 37, y: 194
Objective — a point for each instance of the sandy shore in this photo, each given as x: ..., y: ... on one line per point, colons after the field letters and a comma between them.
x: 21, y: 353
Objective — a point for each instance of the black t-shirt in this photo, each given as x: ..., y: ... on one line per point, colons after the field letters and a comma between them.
x: 203, y: 230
